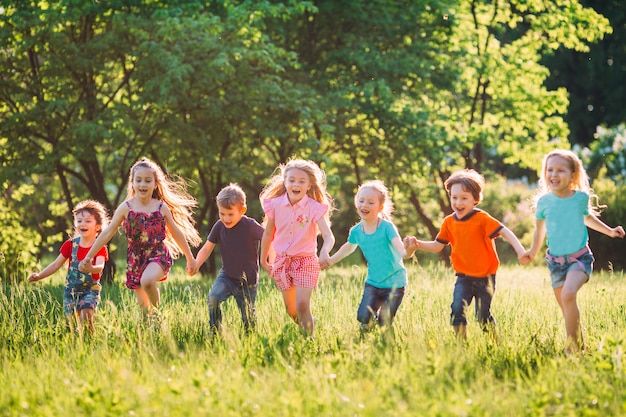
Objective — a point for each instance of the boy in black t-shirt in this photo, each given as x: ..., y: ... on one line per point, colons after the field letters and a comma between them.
x: 239, y: 237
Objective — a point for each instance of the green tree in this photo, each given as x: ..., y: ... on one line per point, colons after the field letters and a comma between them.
x: 414, y: 90
x: 90, y: 87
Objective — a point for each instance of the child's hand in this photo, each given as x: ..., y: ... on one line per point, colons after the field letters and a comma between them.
x: 525, y: 258
x: 84, y: 265
x: 324, y: 260
x: 192, y: 267
x: 88, y: 268
x: 617, y: 232
x: 410, y: 244
x: 267, y: 267
x: 33, y: 277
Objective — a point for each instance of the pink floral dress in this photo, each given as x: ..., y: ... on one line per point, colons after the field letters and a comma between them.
x: 146, y: 235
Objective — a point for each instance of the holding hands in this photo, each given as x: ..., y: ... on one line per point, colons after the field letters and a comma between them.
x: 192, y: 266
x: 411, y: 244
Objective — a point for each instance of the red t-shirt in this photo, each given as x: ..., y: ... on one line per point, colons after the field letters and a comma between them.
x: 66, y: 251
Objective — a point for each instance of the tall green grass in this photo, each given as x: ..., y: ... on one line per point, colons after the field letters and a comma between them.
x: 131, y: 368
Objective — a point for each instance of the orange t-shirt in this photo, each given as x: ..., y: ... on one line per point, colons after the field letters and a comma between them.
x: 473, y: 248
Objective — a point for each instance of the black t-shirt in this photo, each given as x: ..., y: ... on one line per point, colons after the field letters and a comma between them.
x: 239, y: 248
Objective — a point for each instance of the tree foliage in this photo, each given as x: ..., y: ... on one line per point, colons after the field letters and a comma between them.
x: 219, y: 92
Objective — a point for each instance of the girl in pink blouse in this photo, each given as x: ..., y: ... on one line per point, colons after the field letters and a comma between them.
x: 297, y: 208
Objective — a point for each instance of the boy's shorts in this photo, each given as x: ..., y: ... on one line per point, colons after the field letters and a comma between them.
x: 559, y: 270
x: 296, y: 271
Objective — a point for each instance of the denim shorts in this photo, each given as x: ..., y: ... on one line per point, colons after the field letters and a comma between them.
x: 558, y: 271
x: 74, y: 301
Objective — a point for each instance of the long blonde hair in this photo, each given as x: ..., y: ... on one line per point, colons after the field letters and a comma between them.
x: 383, y: 194
x: 275, y: 187
x: 580, y: 179
x: 172, y: 192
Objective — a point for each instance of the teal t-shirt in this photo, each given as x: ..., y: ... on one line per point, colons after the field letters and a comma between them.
x: 385, y: 268
x: 565, y: 222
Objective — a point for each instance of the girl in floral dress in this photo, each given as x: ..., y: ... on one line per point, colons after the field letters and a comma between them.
x: 156, y: 218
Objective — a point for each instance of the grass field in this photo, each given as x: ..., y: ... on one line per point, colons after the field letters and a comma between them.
x: 131, y: 369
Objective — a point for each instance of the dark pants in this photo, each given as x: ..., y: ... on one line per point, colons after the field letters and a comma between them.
x: 244, y: 295
x: 380, y: 304
x: 465, y: 289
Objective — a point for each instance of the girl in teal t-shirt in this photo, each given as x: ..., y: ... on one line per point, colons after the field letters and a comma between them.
x: 383, y: 249
x: 563, y: 213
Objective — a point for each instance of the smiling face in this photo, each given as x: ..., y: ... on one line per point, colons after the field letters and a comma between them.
x: 86, y: 225
x: 559, y: 175
x: 230, y: 216
x: 368, y: 204
x: 144, y: 183
x: 461, y: 200
x: 297, y: 183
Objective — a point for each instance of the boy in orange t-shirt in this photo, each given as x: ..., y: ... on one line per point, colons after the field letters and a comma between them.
x: 470, y: 233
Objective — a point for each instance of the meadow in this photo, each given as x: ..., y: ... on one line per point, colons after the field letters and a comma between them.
x: 130, y: 368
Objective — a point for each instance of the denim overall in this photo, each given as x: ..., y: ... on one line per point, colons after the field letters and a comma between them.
x: 81, y: 290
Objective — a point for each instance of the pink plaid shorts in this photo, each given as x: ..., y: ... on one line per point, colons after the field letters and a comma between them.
x: 296, y: 271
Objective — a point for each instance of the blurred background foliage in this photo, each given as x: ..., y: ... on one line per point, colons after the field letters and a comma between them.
x: 220, y: 92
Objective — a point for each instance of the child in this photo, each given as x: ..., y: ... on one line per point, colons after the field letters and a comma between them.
x: 238, y: 237
x: 82, y: 289
x: 296, y: 206
x: 470, y: 232
x: 383, y: 249
x: 156, y: 217
x: 563, y: 208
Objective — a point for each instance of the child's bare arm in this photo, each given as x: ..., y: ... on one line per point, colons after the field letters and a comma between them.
x: 430, y: 246
x: 53, y: 267
x: 598, y: 225
x: 510, y: 237
x: 345, y: 250
x: 266, y: 245
x: 538, y: 238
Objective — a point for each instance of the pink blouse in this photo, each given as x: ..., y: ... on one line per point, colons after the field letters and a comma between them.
x: 296, y: 224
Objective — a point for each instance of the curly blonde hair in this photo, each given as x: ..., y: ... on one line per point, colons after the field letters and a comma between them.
x: 275, y: 187
x: 172, y: 192
x: 383, y: 193
x: 580, y: 179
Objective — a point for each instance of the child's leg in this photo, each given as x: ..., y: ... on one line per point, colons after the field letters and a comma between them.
x: 566, y: 297
x: 245, y: 296
x: 73, y: 323
x: 303, y: 310
x: 485, y: 290
x: 143, y: 300
x: 460, y: 331
x: 368, y: 307
x: 218, y: 294
x: 86, y: 316
x: 151, y: 275
x: 461, y: 299
x: 289, y: 297
x: 390, y: 307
